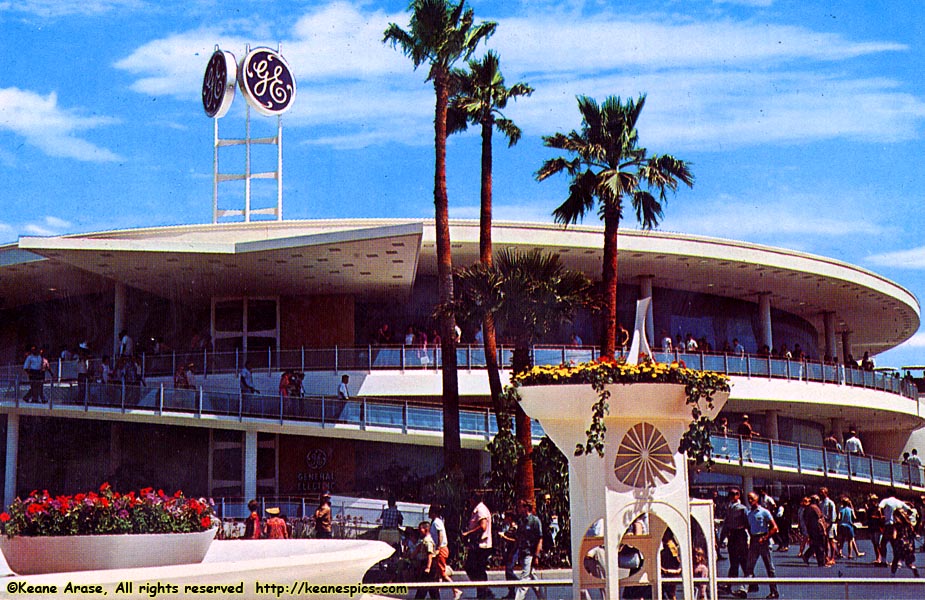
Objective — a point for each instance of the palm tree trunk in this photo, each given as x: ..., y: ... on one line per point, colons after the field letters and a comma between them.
x: 452, y: 447
x: 609, y: 282
x: 489, y: 337
x: 524, y: 433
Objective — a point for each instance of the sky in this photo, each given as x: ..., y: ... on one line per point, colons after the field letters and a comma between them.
x: 804, y: 122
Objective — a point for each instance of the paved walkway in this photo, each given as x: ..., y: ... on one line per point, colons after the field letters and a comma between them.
x: 787, y: 565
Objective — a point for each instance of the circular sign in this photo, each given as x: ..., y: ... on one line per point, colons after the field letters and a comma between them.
x: 316, y: 459
x: 266, y: 81
x: 218, y: 84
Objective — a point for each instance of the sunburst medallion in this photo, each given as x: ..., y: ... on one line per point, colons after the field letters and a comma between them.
x: 644, y: 458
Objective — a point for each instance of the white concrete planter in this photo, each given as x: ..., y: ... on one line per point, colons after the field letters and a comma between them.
x: 61, y: 554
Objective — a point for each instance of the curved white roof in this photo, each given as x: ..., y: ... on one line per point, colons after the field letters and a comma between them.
x: 378, y: 258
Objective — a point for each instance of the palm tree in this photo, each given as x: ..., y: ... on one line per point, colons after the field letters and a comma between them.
x: 608, y: 167
x: 441, y: 33
x: 479, y: 97
x: 527, y: 293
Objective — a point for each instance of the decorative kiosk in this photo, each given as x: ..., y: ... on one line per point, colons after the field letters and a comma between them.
x: 642, y: 470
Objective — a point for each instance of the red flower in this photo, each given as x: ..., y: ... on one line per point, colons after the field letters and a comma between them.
x: 35, y: 508
x: 104, y: 501
x: 4, y: 517
x: 105, y: 486
x: 206, y: 522
x: 178, y: 494
x: 79, y: 498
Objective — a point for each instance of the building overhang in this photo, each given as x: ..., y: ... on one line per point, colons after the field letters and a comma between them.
x: 366, y: 262
x: 378, y: 259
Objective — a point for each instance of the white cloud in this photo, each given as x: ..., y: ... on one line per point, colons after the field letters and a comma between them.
x: 916, y: 341
x: 771, y: 218
x: 913, y: 258
x: 592, y: 44
x: 526, y: 213
x: 64, y: 8
x: 49, y: 127
x: 755, y: 3
x: 49, y: 225
x: 712, y: 84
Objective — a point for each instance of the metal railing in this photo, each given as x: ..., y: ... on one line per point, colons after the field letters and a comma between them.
x: 813, y: 460
x: 411, y: 358
x: 403, y: 416
x: 400, y: 416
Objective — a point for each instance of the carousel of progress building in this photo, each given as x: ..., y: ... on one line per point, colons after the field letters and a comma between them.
x: 312, y: 296
x: 303, y: 303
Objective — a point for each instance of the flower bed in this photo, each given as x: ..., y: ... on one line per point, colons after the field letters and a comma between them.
x: 699, y: 386
x: 104, y: 530
x: 105, y: 512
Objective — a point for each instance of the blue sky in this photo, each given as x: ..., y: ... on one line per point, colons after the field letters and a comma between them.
x: 804, y: 121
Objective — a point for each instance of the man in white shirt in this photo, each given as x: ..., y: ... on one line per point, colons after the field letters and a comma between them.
x: 342, y: 392
x: 478, y: 538
x: 853, y: 443
x: 888, y: 506
x: 33, y: 368
x: 915, y: 467
x: 126, y: 344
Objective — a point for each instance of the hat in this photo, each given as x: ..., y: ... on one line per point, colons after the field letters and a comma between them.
x: 273, y: 510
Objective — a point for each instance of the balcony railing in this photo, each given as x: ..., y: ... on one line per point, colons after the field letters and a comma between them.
x: 402, y: 417
x: 410, y: 358
x: 813, y: 460
x: 325, y: 411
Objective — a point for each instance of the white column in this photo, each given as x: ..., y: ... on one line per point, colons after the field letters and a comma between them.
x: 831, y: 344
x: 12, y: 458
x: 118, y: 318
x: 748, y: 484
x: 250, y: 464
x: 645, y: 291
x: 764, y: 321
x: 846, y: 347
x: 771, y: 426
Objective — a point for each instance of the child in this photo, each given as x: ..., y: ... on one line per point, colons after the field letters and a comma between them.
x: 423, y: 557
x: 846, y: 518
x: 701, y: 571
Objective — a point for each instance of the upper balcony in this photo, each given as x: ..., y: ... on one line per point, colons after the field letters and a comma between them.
x: 413, y: 359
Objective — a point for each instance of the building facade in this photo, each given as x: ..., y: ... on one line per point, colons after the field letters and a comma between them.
x: 312, y: 297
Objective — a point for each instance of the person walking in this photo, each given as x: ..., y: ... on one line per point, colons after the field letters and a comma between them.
x: 846, y: 519
x: 323, y: 518
x: 252, y: 527
x: 830, y: 512
x: 530, y: 544
x: 343, y: 393
x: 815, y: 530
x: 275, y: 527
x: 33, y: 368
x: 735, y: 533
x: 478, y: 540
x: 761, y: 528
x: 441, y: 541
x: 874, y: 520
